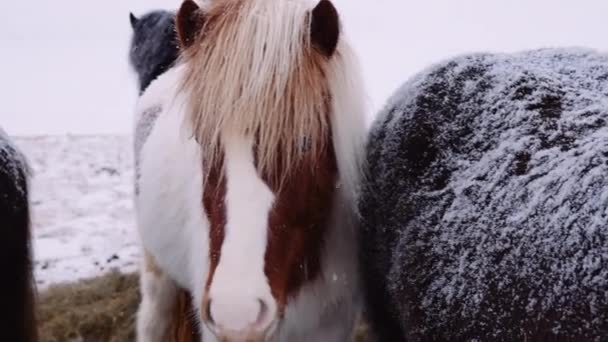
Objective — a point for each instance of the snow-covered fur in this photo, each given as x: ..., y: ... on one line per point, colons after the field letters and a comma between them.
x: 486, y: 201
x: 17, y: 286
x: 153, y: 47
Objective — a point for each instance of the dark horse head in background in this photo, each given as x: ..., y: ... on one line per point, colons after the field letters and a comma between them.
x: 154, y: 47
x: 17, y: 315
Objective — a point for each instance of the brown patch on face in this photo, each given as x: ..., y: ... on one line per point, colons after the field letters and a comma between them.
x: 298, y: 221
x: 214, y: 194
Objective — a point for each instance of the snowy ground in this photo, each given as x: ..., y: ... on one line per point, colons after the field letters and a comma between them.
x: 83, y: 223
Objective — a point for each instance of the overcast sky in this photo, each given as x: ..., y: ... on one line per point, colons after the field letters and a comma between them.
x: 63, y: 63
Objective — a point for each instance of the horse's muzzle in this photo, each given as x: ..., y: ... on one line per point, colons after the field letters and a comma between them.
x: 240, y: 321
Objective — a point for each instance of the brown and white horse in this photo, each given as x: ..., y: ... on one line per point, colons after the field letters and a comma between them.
x: 247, y: 165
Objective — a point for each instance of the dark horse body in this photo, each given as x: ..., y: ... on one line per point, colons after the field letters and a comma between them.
x: 17, y: 316
x: 486, y: 202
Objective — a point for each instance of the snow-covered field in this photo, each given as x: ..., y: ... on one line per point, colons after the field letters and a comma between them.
x: 82, y: 206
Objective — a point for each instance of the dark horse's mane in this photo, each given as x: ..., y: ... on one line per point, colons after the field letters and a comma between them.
x: 485, y: 204
x: 17, y: 308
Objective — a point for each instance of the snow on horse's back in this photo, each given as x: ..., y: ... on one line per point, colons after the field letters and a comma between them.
x: 246, y: 177
x: 17, y: 312
x: 485, y: 201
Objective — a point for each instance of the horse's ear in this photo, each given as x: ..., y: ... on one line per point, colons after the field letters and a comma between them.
x: 133, y: 19
x: 325, y: 27
x: 189, y: 21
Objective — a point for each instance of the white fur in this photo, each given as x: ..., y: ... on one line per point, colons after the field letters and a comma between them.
x: 349, y: 107
x: 170, y: 214
x: 171, y: 222
x: 239, y: 280
x: 160, y: 92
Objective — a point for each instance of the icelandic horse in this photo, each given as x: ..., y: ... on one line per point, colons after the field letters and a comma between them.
x: 248, y: 156
x: 17, y: 312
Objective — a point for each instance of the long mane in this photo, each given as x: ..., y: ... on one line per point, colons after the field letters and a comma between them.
x: 254, y: 71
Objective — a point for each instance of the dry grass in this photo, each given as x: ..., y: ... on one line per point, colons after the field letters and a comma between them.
x: 96, y: 310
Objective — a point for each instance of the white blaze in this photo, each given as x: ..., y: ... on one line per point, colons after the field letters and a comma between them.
x: 239, y: 281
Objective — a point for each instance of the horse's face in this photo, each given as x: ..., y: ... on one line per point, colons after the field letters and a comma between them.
x: 265, y: 237
x: 267, y: 216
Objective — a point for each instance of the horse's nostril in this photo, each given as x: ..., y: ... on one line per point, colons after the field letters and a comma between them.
x: 208, y: 317
x: 239, y: 319
x: 263, y: 314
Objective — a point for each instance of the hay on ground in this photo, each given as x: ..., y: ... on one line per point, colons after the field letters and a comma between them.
x: 101, y: 310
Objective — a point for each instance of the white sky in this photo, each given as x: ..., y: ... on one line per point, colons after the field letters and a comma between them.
x: 63, y: 63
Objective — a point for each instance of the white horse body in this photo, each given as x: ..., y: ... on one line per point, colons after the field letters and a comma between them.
x: 170, y: 219
x: 175, y: 230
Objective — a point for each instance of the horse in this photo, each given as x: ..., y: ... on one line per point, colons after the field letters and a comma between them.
x: 153, y: 49
x: 17, y: 313
x: 248, y: 169
x: 484, y: 199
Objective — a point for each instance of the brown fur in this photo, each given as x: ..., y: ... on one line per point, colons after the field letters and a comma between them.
x: 298, y: 222
x: 214, y: 193
x: 325, y: 28
x: 183, y: 326
x: 189, y: 22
